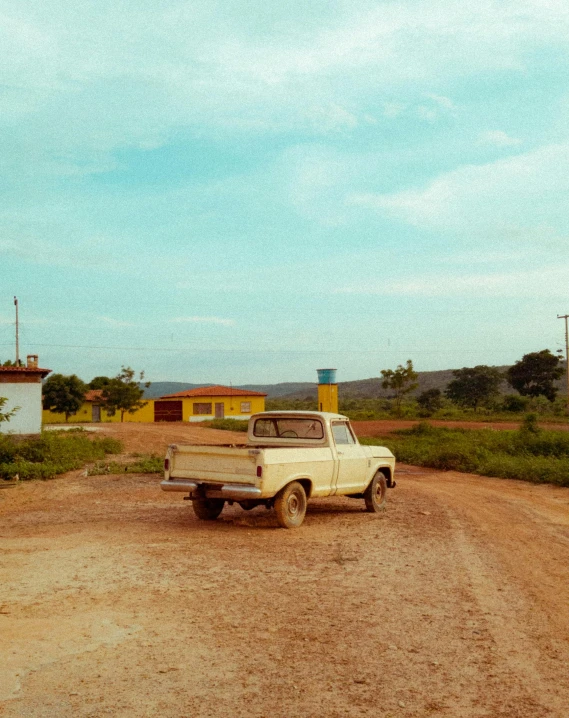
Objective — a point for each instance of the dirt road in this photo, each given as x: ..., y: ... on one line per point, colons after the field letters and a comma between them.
x: 116, y: 601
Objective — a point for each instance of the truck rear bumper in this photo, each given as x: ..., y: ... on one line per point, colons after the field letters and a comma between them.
x: 225, y: 491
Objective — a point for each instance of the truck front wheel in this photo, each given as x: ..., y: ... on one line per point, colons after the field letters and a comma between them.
x: 207, y: 509
x: 290, y: 505
x: 375, y: 493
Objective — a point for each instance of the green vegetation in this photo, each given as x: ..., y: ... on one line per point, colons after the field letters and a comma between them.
x: 6, y: 415
x: 474, y: 386
x: 122, y: 393
x: 144, y: 465
x: 54, y: 452
x: 226, y: 424
x: 401, y: 381
x: 63, y: 394
x: 510, y: 407
x: 529, y: 454
x: 536, y: 374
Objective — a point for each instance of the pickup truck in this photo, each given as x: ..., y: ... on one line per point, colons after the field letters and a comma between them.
x: 289, y: 457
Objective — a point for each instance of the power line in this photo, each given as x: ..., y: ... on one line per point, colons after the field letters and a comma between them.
x: 258, y: 349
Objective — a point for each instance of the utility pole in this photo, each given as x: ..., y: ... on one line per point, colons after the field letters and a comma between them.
x: 566, y: 316
x: 17, y: 334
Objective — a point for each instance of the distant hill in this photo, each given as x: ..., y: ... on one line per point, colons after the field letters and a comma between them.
x: 161, y: 388
x: 362, y: 388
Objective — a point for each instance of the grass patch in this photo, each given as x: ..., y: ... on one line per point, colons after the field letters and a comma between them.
x: 538, y: 456
x: 227, y: 424
x: 52, y: 453
x: 143, y: 465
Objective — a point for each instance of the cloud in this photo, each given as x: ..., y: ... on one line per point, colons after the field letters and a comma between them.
x: 498, y: 138
x: 521, y: 196
x: 552, y: 282
x: 203, y: 320
x: 151, y: 70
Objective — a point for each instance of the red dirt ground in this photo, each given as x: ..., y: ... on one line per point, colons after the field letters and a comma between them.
x: 116, y: 601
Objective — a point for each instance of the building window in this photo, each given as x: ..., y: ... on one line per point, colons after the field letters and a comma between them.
x: 202, y: 408
x: 245, y: 407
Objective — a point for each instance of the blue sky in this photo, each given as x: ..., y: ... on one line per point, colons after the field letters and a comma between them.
x: 243, y: 192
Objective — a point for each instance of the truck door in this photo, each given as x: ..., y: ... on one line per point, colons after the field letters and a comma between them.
x: 352, y: 462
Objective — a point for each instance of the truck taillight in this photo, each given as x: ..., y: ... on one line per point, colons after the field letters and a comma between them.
x: 259, y: 471
x: 166, y: 464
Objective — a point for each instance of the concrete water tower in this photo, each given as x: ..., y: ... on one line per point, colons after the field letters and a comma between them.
x: 327, y: 390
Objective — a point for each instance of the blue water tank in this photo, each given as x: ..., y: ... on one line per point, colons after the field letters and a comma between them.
x: 326, y: 376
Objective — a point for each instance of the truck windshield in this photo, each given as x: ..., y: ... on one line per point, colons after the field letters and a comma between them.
x: 281, y: 428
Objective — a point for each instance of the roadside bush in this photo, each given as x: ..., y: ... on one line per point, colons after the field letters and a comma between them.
x: 538, y: 457
x: 227, y: 424
x: 144, y: 465
x: 514, y: 403
x: 52, y: 453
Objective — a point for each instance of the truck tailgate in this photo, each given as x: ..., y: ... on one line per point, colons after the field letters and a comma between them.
x: 216, y: 464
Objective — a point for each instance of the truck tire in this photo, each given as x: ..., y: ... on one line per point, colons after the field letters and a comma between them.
x: 290, y: 505
x: 207, y: 509
x: 374, y: 495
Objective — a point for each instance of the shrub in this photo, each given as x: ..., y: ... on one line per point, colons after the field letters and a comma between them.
x: 227, y: 424
x: 52, y: 453
x: 145, y: 465
x: 523, y: 454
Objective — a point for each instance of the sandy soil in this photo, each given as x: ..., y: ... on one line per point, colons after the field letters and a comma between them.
x: 116, y: 601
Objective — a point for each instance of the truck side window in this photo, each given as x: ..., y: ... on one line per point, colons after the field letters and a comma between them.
x: 341, y: 433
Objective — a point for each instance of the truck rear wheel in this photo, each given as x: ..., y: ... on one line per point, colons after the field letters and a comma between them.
x: 374, y: 495
x: 290, y: 505
x: 207, y: 509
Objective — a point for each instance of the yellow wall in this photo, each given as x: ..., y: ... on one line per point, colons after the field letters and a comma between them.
x: 85, y: 414
x: 231, y: 406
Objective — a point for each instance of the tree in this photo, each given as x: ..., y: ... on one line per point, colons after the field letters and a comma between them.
x: 401, y: 382
x: 430, y: 400
x: 535, y: 374
x: 63, y: 394
x: 123, y: 393
x: 6, y: 415
x: 474, y: 386
x: 99, y: 382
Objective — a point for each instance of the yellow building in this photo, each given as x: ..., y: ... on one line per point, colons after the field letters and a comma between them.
x: 92, y: 411
x: 207, y: 403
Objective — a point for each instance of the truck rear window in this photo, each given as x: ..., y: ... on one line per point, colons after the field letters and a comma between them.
x: 289, y: 428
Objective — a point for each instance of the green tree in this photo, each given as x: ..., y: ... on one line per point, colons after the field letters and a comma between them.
x: 123, y: 393
x: 535, y: 374
x: 99, y: 382
x: 63, y: 394
x: 6, y: 415
x: 401, y: 381
x: 474, y: 386
x: 430, y: 400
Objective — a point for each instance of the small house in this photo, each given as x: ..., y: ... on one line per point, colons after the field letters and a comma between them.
x: 207, y: 403
x: 21, y: 386
x: 92, y: 411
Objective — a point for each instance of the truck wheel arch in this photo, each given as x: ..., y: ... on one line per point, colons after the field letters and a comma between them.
x: 386, y: 471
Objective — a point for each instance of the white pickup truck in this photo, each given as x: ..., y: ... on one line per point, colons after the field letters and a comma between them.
x: 289, y: 457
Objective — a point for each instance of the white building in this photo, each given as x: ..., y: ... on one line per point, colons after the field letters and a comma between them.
x: 21, y: 386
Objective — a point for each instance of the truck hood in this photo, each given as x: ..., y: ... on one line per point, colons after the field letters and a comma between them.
x: 378, y: 452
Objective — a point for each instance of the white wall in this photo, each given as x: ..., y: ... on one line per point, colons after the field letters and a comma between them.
x: 27, y: 420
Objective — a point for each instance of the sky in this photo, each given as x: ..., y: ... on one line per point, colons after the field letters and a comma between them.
x: 245, y: 191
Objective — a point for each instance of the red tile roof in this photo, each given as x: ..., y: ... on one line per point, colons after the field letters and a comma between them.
x: 24, y: 370
x: 213, y: 391
x: 93, y: 394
